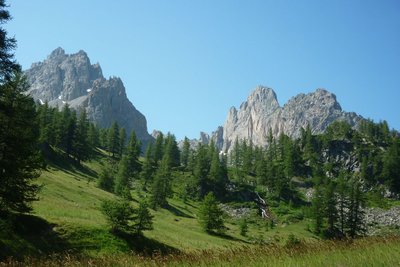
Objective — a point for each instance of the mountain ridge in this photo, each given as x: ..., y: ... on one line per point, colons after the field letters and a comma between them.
x: 70, y: 78
x: 261, y: 113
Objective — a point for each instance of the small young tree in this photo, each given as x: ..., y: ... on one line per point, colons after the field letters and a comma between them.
x: 211, y: 215
x: 118, y: 214
x: 142, y: 220
x: 106, y: 179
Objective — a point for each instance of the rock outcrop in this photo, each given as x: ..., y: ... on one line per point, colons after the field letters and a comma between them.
x: 72, y: 79
x: 262, y: 113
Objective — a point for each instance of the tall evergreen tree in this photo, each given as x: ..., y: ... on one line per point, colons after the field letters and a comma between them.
x: 161, y: 187
x: 201, y: 170
x: 19, y: 155
x: 159, y: 148
x: 8, y: 65
x: 211, y: 215
x: 123, y: 179
x: 113, y: 140
x: 185, y: 153
x: 148, y: 165
x: 356, y: 213
x: 82, y: 148
x: 218, y: 176
x: 132, y: 155
x: 391, y: 167
x: 122, y: 141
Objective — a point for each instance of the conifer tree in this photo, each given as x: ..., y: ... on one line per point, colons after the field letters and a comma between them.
x: 132, y: 155
x: 113, y: 140
x: 148, y: 165
x: 210, y: 215
x: 161, y: 188
x: 185, y: 153
x: 159, y: 148
x: 142, y: 219
x: 391, y: 167
x: 123, y: 179
x: 201, y: 170
x: 19, y: 155
x: 81, y: 145
x: 355, y: 217
x: 122, y: 141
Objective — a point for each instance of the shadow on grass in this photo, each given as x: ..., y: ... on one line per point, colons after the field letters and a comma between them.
x: 177, y: 212
x: 27, y: 235
x: 225, y: 236
x: 144, y: 245
x: 60, y: 160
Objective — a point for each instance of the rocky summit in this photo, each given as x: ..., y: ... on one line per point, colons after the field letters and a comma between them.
x: 71, y: 79
x: 262, y: 113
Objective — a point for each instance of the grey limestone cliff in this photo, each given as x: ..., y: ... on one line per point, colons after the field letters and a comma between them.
x: 262, y: 113
x: 71, y: 79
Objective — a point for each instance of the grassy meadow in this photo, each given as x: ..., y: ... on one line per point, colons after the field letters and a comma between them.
x: 67, y: 228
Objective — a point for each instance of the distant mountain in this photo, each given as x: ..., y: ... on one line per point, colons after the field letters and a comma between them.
x: 262, y: 112
x: 72, y: 79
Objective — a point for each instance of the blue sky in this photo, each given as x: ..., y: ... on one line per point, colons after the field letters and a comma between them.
x: 185, y: 63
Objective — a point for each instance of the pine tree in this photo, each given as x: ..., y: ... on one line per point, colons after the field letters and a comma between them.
x: 161, y: 188
x: 159, y: 148
x: 331, y: 212
x: 81, y: 145
x: 201, y: 170
x: 113, y: 139
x: 106, y: 179
x: 123, y: 179
x: 217, y: 176
x: 122, y: 141
x: 19, y: 154
x: 93, y: 136
x: 142, y: 219
x: 391, y: 167
x: 185, y: 153
x: 148, y: 165
x: 132, y: 155
x: 45, y: 126
x: 318, y: 209
x: 8, y: 66
x: 342, y: 201
x: 210, y: 215
x: 355, y: 217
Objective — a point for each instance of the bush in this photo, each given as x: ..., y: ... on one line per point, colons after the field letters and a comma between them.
x: 118, y: 214
x: 123, y: 218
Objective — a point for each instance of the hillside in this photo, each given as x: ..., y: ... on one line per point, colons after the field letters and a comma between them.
x: 67, y: 217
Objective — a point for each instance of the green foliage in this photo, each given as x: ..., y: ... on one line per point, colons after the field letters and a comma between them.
x: 142, y: 220
x: 19, y: 154
x: 113, y: 142
x: 161, y: 187
x: 210, y: 215
x: 244, y: 227
x: 123, y: 179
x: 106, y: 179
x: 118, y: 213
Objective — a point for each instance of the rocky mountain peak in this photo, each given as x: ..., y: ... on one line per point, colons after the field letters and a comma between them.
x: 71, y: 78
x: 261, y: 112
x: 58, y: 52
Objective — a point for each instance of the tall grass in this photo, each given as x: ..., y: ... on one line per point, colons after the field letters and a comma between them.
x: 371, y: 251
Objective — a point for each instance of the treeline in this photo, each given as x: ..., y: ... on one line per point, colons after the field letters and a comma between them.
x: 343, y: 167
x: 372, y: 151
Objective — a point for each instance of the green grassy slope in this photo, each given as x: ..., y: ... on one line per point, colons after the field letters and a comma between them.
x: 67, y: 218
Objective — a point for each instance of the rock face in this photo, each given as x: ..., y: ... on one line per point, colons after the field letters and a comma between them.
x: 72, y: 79
x: 262, y: 112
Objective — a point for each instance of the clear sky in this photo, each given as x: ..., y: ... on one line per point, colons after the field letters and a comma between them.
x: 185, y: 63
